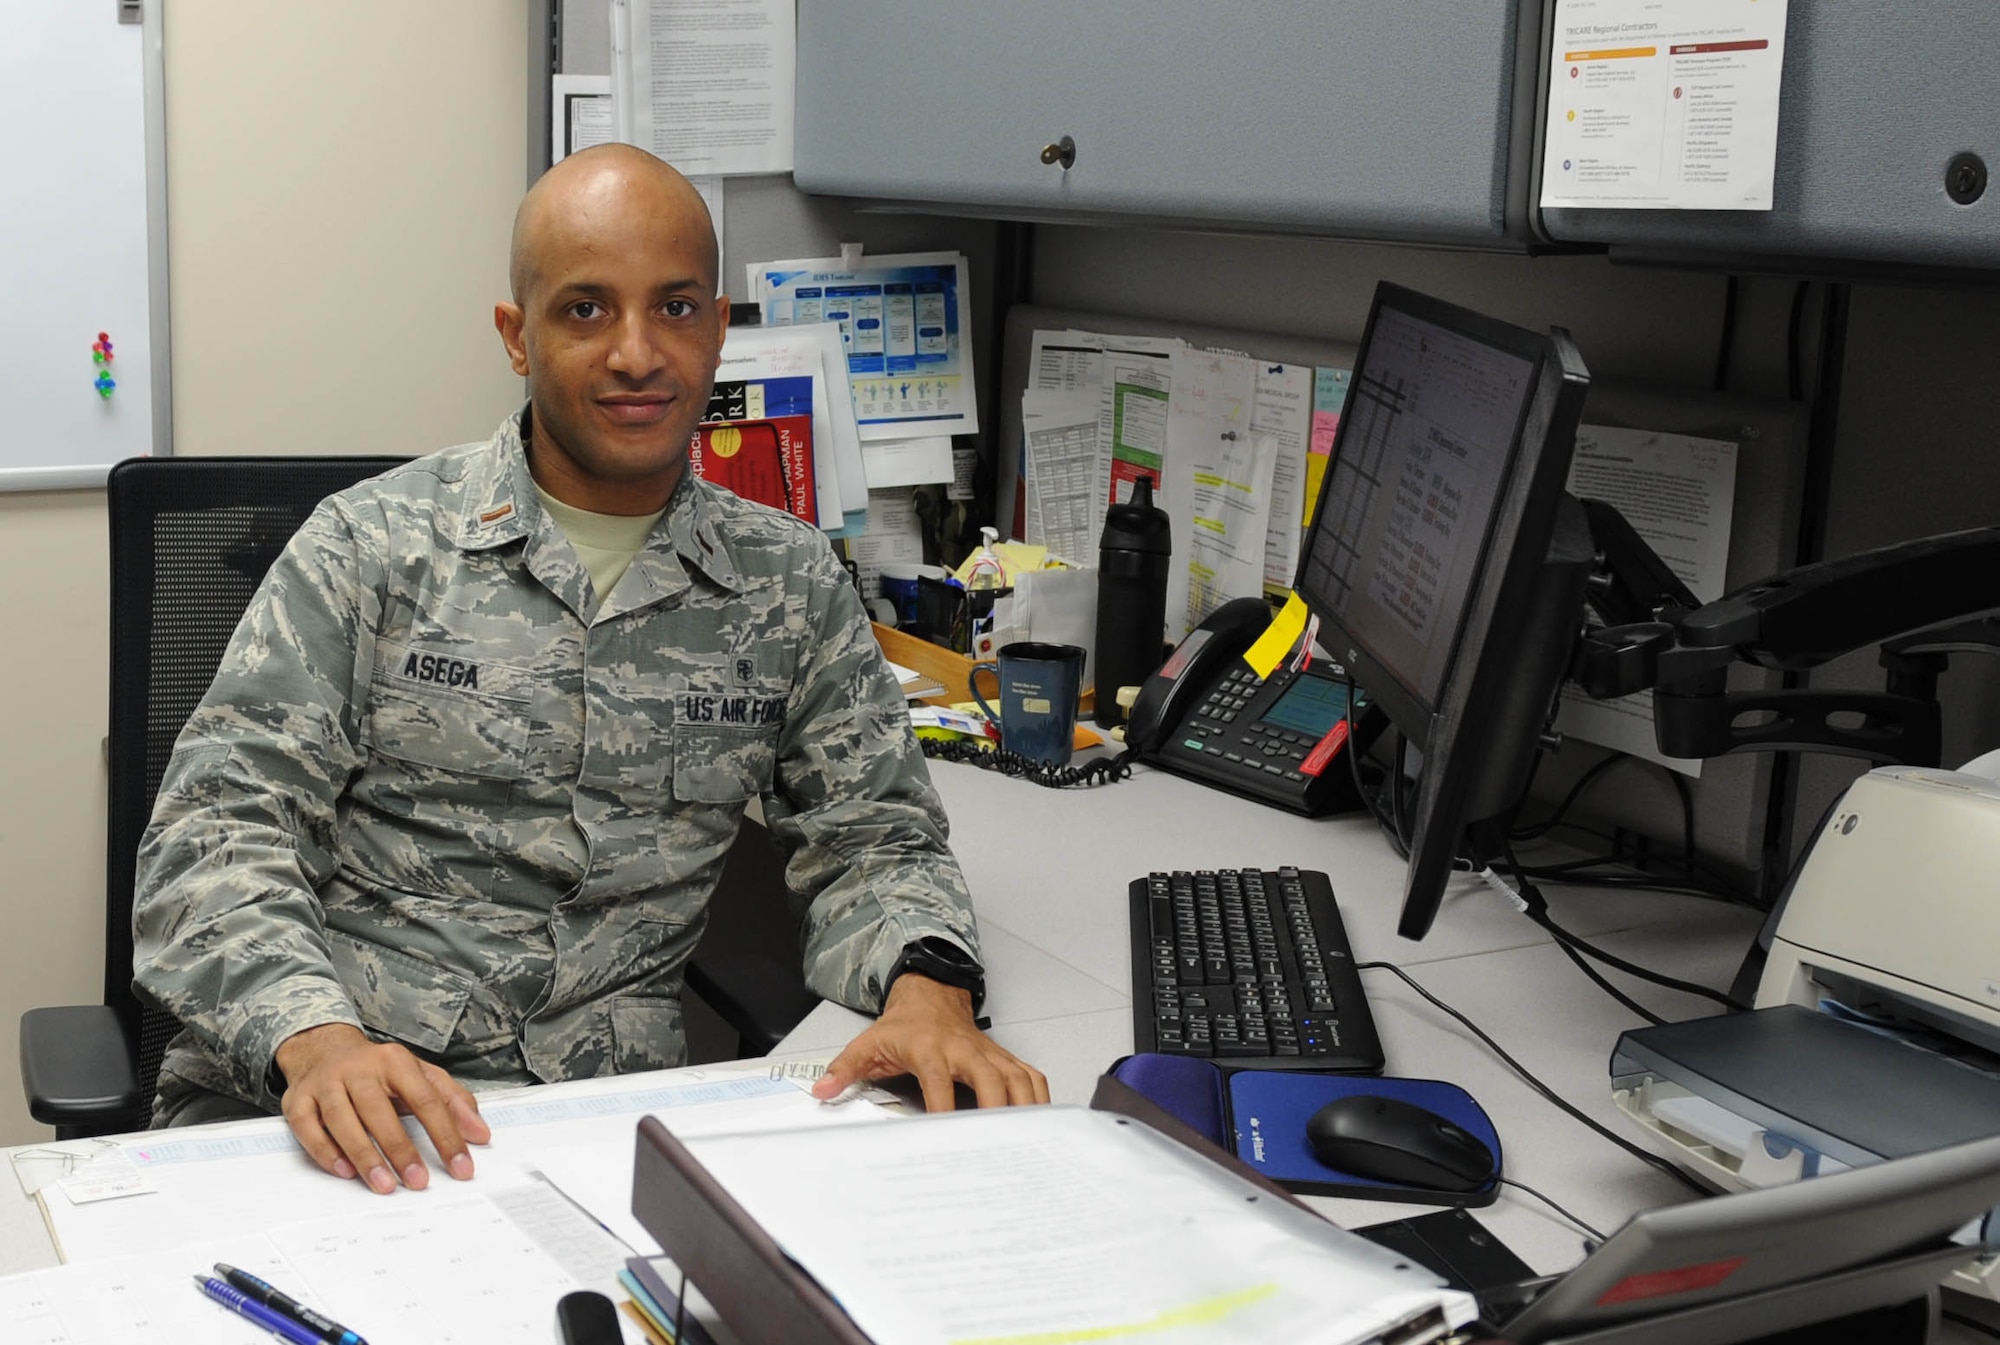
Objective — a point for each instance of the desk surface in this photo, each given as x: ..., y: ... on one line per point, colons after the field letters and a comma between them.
x: 1049, y: 871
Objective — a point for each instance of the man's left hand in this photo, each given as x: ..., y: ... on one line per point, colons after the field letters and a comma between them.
x: 926, y: 1029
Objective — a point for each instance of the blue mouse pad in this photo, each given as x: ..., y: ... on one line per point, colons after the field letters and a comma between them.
x: 1269, y: 1110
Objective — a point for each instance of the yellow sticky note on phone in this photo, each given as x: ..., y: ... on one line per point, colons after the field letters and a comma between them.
x: 1278, y: 639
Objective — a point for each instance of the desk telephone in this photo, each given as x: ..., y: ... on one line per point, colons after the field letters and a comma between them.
x: 1207, y: 715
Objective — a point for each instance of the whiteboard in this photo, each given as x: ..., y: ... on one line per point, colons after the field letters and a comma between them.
x: 82, y: 241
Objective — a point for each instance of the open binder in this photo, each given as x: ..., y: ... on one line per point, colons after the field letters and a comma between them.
x: 1870, y: 1240
x: 1188, y: 1268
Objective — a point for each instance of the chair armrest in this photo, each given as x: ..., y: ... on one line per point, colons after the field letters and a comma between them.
x: 77, y: 1066
x: 759, y: 996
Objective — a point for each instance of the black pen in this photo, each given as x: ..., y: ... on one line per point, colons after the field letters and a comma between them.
x: 332, y: 1332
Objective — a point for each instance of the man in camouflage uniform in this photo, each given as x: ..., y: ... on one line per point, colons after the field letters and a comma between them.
x: 459, y: 796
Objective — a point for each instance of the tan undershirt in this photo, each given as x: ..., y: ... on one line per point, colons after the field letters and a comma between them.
x: 605, y: 543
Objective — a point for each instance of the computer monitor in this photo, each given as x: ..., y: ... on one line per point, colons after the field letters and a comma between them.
x: 1445, y: 563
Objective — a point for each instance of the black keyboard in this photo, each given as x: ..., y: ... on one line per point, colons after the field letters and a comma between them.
x: 1248, y: 967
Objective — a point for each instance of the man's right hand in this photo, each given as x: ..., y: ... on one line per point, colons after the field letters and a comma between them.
x: 344, y: 1098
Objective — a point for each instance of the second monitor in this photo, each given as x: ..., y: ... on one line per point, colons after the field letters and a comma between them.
x: 1445, y: 563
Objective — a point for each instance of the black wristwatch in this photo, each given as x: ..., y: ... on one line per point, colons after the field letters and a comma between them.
x: 944, y: 962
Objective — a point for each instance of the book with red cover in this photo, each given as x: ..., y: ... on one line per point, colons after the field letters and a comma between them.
x: 769, y: 461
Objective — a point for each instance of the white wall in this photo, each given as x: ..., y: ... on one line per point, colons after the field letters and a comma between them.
x: 341, y: 182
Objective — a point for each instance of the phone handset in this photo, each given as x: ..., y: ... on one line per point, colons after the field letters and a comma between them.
x: 1194, y: 667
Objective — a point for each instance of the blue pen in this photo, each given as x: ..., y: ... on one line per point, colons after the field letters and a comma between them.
x: 329, y: 1331
x: 275, y: 1322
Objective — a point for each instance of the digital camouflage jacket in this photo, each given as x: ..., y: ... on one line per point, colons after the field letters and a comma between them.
x: 427, y: 797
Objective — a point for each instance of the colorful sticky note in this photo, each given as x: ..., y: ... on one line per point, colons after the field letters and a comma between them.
x: 1278, y: 639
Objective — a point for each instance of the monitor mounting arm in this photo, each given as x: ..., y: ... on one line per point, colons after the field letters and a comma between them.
x: 1657, y: 637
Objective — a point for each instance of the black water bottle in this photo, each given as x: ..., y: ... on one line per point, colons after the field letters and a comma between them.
x: 1132, y: 560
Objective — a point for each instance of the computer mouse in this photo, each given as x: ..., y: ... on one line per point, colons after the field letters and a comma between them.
x: 1391, y: 1140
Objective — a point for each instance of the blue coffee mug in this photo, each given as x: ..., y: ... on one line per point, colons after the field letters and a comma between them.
x: 1039, y: 686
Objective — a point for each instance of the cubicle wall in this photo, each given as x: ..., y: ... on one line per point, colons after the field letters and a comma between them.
x: 1911, y: 444
x: 1730, y: 796
x: 1873, y: 188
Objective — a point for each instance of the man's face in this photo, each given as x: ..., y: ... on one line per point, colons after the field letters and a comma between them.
x: 618, y: 331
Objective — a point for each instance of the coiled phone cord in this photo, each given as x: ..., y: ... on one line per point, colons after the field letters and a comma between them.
x: 1103, y: 771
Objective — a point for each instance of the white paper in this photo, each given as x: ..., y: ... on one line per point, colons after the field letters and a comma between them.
x: 580, y: 114
x: 964, y: 473
x: 1055, y: 1223
x: 475, y: 1269
x: 1066, y: 361
x: 1679, y: 494
x: 597, y: 1172
x: 751, y: 353
x: 106, y: 1177
x: 1283, y: 413
x: 905, y: 321
x: 146, y: 1297
x: 710, y: 191
x: 1064, y: 461
x: 1664, y: 106
x: 708, y: 87
x: 893, y: 536
x: 1136, y: 380
x: 906, y: 462
x: 216, y: 1180
x: 1219, y: 479
x: 1128, y: 378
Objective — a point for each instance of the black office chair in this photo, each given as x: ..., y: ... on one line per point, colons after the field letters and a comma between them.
x: 191, y: 539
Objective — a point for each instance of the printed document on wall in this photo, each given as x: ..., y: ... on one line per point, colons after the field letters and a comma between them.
x: 1132, y: 415
x: 1663, y: 104
x: 1066, y: 360
x: 923, y: 461
x: 1679, y: 494
x: 580, y: 114
x: 1065, y: 511
x: 1283, y: 413
x: 1219, y: 481
x: 906, y: 328
x: 893, y: 537
x: 707, y: 87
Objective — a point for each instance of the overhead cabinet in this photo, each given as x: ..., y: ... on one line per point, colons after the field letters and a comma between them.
x: 1341, y: 117
x: 1415, y: 123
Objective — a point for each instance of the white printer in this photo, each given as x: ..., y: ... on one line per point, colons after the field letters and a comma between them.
x: 1876, y: 1027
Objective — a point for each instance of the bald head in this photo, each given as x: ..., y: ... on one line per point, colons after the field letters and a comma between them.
x: 616, y: 324
x: 593, y: 186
